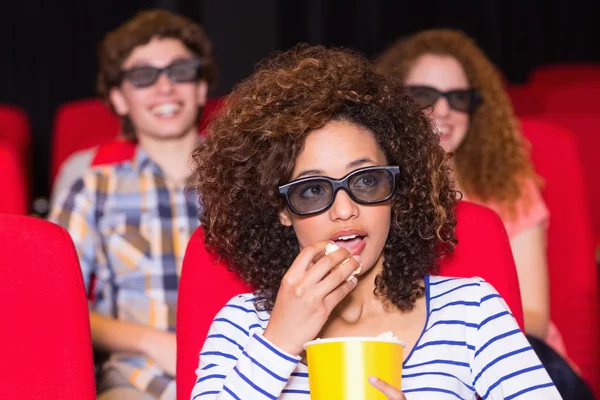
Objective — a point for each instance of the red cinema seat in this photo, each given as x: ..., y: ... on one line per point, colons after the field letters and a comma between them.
x: 79, y: 125
x: 574, y: 298
x: 15, y: 130
x: 206, y: 285
x: 525, y: 99
x: 553, y: 75
x: 87, y: 123
x: 211, y: 109
x: 578, y: 97
x: 45, y: 341
x: 586, y: 129
x: 13, y: 183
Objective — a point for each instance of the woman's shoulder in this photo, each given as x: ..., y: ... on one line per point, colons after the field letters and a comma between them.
x: 472, y: 300
x: 242, y: 311
x: 529, y: 209
x: 244, y: 298
x: 453, y: 289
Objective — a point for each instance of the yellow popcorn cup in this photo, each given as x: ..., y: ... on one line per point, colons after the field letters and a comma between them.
x: 339, y: 368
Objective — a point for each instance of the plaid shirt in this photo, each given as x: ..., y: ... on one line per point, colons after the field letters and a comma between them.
x: 131, y: 228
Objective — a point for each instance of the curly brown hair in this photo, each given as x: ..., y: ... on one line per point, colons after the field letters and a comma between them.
x: 140, y: 30
x: 493, y: 161
x: 252, y: 147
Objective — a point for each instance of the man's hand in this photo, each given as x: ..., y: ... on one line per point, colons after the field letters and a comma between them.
x: 161, y: 347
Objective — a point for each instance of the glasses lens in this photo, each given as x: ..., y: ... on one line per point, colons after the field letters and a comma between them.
x: 461, y: 100
x: 424, y: 96
x: 372, y: 185
x: 311, y: 195
x: 142, y: 76
x: 184, y: 71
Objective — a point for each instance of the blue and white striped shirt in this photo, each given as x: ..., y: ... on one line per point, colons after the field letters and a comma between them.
x: 471, y: 346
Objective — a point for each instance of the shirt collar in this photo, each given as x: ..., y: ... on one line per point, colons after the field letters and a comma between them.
x: 142, y: 161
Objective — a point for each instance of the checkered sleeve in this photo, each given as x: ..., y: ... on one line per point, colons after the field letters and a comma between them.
x: 75, y: 211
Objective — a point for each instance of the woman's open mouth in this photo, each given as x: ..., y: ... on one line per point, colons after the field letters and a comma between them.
x: 354, y: 241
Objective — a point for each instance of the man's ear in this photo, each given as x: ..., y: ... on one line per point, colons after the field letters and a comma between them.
x: 118, y: 101
x: 284, y: 217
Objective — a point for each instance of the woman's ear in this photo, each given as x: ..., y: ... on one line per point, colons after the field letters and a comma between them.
x: 284, y: 217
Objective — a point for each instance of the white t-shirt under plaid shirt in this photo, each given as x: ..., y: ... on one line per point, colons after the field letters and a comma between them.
x: 471, y: 346
x: 131, y: 227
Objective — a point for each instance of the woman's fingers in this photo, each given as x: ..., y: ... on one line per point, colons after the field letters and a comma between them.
x: 338, y: 294
x: 388, y: 390
x: 338, y: 275
x: 325, y: 266
x: 297, y: 271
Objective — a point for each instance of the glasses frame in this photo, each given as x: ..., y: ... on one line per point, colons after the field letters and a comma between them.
x: 337, y: 185
x: 476, y: 97
x: 198, y: 63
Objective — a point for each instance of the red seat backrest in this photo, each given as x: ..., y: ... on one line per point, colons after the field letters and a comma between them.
x: 206, y: 285
x: 82, y: 124
x: 13, y: 183
x: 44, y: 314
x: 572, y: 97
x: 574, y: 298
x: 525, y: 99
x: 552, y: 75
x: 211, y: 110
x: 586, y: 128
x: 484, y: 250
x: 79, y: 125
x: 14, y: 129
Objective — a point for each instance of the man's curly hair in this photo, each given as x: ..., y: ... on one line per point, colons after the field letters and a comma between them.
x: 492, y: 162
x: 252, y: 146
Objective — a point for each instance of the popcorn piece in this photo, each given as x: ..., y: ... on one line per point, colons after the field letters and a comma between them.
x: 388, y: 335
x: 331, y: 247
x: 356, y: 272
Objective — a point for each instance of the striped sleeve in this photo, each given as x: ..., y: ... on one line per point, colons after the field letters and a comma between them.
x: 237, y: 362
x: 504, y: 366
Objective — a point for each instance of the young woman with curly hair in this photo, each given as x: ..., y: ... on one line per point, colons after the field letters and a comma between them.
x: 460, y: 89
x: 450, y: 77
x: 317, y: 150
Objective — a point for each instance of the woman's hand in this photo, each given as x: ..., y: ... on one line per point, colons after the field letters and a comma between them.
x: 388, y: 390
x: 309, y: 291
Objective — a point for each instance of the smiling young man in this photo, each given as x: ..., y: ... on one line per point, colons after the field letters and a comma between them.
x: 131, y: 220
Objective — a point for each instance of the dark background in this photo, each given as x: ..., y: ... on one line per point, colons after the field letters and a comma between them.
x: 48, y: 47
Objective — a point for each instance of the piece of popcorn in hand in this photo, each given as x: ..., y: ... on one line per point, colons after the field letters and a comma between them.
x: 356, y: 272
x: 331, y: 247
